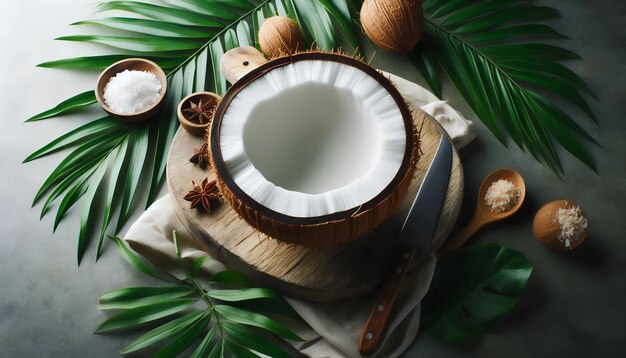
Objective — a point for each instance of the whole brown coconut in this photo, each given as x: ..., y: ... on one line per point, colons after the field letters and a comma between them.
x: 280, y: 36
x: 394, y: 25
x: 546, y: 228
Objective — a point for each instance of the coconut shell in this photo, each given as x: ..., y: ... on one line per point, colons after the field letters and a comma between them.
x: 546, y: 226
x: 330, y: 229
x: 394, y: 25
x: 279, y: 36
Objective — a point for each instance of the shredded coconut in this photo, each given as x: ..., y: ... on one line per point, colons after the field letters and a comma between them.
x: 132, y: 91
x: 572, y: 223
x: 502, y: 195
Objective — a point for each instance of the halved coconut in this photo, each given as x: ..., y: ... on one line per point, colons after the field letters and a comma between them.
x: 313, y: 149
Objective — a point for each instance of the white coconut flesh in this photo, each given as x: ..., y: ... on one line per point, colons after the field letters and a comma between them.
x: 313, y: 138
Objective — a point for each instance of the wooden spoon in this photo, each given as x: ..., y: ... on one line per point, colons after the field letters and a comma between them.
x: 483, y: 214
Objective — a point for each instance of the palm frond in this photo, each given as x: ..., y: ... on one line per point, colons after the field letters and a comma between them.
x: 186, y: 38
x: 221, y: 319
x: 480, y: 47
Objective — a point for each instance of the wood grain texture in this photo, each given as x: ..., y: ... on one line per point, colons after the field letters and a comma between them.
x: 323, y: 274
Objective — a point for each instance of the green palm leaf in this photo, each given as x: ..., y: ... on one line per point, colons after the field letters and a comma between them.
x: 136, y: 44
x: 221, y: 326
x: 505, y: 81
x: 163, y: 332
x: 104, y: 61
x: 148, y: 27
x: 80, y: 100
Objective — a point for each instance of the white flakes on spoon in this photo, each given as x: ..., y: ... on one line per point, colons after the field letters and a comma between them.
x: 502, y: 195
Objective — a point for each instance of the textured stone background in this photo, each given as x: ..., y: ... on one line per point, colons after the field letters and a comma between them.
x: 573, y: 306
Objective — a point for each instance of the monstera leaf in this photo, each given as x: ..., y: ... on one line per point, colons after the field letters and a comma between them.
x: 482, y: 46
x: 471, y: 289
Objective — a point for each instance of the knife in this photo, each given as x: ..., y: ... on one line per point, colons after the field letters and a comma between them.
x: 414, y: 242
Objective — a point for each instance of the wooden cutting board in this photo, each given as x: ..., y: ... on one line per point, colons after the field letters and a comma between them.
x: 320, y: 274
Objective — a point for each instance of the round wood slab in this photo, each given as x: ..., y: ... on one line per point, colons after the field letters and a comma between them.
x: 320, y: 274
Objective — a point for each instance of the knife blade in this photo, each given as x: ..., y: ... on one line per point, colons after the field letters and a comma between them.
x: 414, y: 242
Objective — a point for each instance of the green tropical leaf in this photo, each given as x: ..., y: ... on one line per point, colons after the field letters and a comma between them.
x: 217, y: 351
x: 95, y: 149
x: 135, y: 317
x: 167, y: 125
x: 136, y: 44
x: 211, y: 8
x: 197, y: 264
x: 71, y: 196
x: 141, y: 305
x: 201, y: 68
x: 242, y: 294
x: 476, y: 44
x: 253, y: 340
x: 80, y: 100
x: 163, y: 332
x: 148, y: 27
x: 338, y: 9
x: 507, y: 33
x: 231, y: 278
x: 471, y: 289
x: 132, y: 259
x: 238, y: 315
x: 79, y: 176
x: 239, y: 351
x: 85, y: 222
x: 318, y: 22
x: 163, y: 13
x: 116, y: 175
x: 139, y: 151
x: 203, y: 348
x: 133, y: 297
x: 104, y: 61
x: 548, y: 68
x: 184, y: 340
x: 94, y: 129
x: 217, y: 50
x: 427, y: 67
x: 513, y: 14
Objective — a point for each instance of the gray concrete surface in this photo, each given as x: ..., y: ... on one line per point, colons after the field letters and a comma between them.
x: 573, y: 305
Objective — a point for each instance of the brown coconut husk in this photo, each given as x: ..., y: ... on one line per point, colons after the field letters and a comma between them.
x: 280, y: 36
x: 546, y: 227
x: 394, y: 25
x: 329, y: 229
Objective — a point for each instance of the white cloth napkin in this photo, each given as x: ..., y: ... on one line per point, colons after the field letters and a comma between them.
x: 335, y: 327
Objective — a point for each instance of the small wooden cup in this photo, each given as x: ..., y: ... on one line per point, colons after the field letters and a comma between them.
x: 193, y: 128
x: 136, y: 64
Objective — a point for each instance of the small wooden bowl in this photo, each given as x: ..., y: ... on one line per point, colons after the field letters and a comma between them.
x: 193, y: 128
x: 137, y: 64
x: 546, y: 227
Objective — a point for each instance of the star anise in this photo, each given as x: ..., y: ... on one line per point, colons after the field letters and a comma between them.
x: 200, y: 112
x: 201, y: 156
x: 203, y: 194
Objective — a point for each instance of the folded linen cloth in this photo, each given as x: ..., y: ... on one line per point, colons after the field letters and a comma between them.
x: 335, y: 327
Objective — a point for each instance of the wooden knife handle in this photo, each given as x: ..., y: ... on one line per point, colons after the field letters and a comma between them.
x: 377, y: 322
